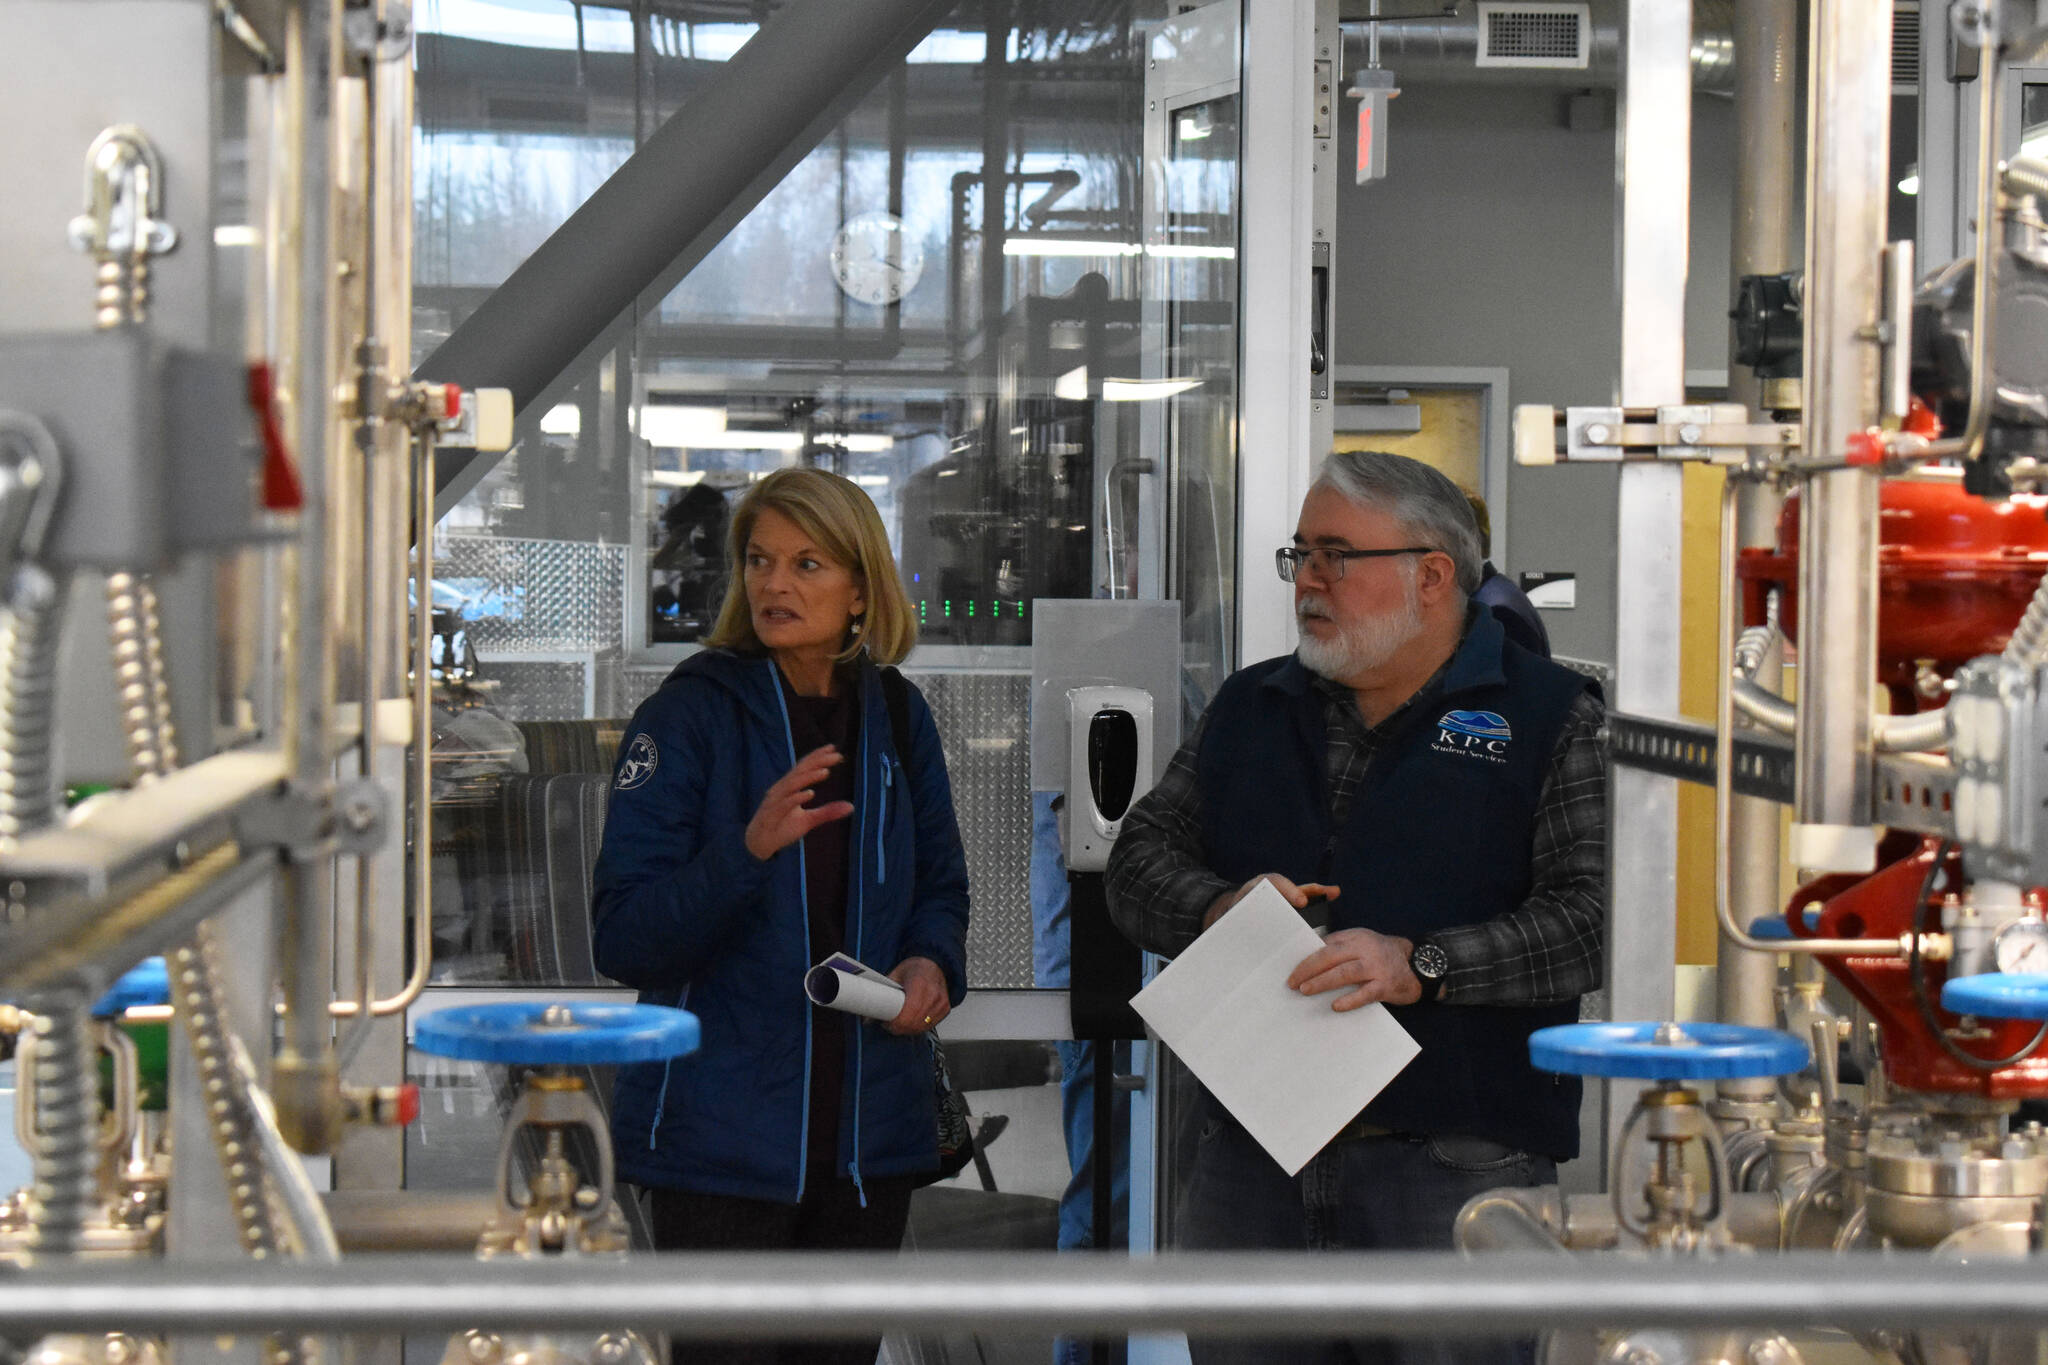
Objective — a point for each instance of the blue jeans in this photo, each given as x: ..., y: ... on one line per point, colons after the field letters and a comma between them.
x: 1358, y: 1194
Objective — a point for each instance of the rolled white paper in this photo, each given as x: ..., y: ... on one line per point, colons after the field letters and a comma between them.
x: 840, y: 983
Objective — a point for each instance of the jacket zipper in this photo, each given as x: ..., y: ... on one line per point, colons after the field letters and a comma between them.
x: 882, y: 823
x: 661, y: 1097
x: 803, y: 882
x: 859, y: 906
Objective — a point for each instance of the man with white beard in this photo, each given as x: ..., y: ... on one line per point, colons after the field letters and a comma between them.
x: 1433, y: 793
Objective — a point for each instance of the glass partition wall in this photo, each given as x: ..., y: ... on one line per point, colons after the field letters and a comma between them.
x: 944, y: 301
x: 932, y: 303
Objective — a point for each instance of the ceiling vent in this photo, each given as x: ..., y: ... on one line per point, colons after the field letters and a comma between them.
x: 1558, y: 37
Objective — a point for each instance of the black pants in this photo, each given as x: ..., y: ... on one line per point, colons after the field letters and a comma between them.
x: 830, y: 1218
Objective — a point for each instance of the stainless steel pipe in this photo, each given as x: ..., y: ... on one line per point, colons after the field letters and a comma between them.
x: 821, y: 1295
x: 1849, y: 92
x: 305, y: 1077
x: 1763, y: 240
x: 1905, y: 734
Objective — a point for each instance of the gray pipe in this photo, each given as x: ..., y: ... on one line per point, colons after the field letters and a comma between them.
x: 1846, y: 185
x: 1890, y: 734
x: 304, y: 1073
x: 409, y: 1220
x: 1511, y: 1219
x: 675, y: 198
x: 1444, y: 51
x: 1764, y: 239
x: 1215, y: 1294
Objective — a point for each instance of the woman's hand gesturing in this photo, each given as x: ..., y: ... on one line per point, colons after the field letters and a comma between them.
x: 782, y: 818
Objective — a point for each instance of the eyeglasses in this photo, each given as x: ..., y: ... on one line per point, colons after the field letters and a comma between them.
x: 1329, y: 563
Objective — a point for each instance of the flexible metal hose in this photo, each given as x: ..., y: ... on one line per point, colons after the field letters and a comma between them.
x: 2031, y: 634
x: 194, y: 997
x: 65, y: 1144
x: 30, y: 633
x: 1751, y: 647
x: 139, y: 677
x: 67, y: 1098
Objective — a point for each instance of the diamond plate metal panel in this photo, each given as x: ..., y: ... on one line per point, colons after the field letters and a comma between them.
x: 622, y: 687
x: 984, y: 721
x: 536, y: 594
x: 549, y: 689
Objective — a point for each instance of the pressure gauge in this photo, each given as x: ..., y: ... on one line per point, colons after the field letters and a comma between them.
x: 876, y: 258
x: 2021, y: 948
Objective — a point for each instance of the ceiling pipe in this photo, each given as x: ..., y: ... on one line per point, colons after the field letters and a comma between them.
x: 1445, y: 50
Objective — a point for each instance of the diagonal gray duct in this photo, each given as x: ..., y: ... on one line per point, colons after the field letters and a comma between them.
x: 673, y: 200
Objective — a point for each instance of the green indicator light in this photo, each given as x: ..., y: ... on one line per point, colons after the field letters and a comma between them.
x: 970, y: 606
x: 1020, y: 608
x: 949, y: 606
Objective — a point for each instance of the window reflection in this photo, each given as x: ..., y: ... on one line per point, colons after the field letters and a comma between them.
x: 983, y: 410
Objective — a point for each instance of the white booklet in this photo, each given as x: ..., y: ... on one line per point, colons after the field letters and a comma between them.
x: 1292, y: 1070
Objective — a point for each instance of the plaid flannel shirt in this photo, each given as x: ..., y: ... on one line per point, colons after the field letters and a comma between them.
x: 1546, y: 950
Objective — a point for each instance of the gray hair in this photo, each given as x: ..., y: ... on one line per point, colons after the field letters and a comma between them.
x: 1423, y: 500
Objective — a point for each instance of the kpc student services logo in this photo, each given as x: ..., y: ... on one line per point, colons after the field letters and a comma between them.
x: 1473, y: 734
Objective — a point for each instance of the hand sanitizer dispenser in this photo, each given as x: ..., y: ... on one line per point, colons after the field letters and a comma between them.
x: 1109, y: 748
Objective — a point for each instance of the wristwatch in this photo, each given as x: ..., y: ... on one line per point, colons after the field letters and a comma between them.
x: 1429, y: 963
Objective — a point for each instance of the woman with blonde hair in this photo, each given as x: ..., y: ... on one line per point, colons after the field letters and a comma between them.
x: 764, y: 816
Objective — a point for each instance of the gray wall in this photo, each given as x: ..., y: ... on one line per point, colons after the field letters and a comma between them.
x: 1491, y: 243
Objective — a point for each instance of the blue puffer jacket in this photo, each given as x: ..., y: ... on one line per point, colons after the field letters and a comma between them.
x: 688, y: 917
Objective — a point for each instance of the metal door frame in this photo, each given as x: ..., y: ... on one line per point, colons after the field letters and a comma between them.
x: 1491, y: 383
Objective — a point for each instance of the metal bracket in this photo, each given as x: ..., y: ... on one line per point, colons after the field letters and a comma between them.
x: 1685, y: 750
x: 362, y: 811
x: 1717, y: 433
x: 120, y: 227
x: 1911, y: 791
x: 371, y: 38
x: 297, y: 820
x: 306, y: 822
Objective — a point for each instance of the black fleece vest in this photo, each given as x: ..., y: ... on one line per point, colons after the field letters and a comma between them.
x: 1437, y: 835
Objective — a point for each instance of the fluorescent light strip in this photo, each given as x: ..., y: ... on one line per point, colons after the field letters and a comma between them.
x: 1073, y: 385
x: 1138, y: 390
x: 1074, y: 246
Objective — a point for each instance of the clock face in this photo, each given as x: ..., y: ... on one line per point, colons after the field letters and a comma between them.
x: 876, y: 259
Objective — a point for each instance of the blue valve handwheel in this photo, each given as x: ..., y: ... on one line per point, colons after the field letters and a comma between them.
x: 1998, y: 995
x: 148, y: 982
x: 1774, y: 929
x: 1700, y: 1052
x: 544, y: 1033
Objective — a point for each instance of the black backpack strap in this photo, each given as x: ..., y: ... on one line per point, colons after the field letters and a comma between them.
x: 896, y: 696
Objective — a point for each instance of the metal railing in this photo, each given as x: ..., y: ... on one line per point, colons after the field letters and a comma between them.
x: 1272, y: 1294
